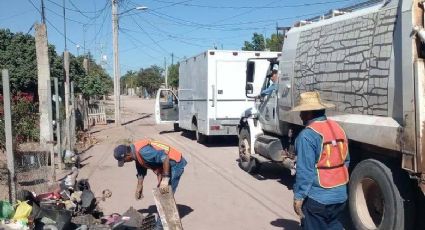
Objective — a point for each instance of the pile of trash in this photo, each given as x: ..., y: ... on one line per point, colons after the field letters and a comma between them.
x: 72, y: 205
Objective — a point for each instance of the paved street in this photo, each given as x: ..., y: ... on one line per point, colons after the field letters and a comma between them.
x: 214, y: 192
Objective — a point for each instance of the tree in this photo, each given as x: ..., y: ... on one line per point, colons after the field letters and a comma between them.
x: 275, y: 42
x: 173, y: 75
x: 130, y: 80
x: 151, y: 78
x: 17, y: 54
x: 96, y: 83
x: 257, y: 43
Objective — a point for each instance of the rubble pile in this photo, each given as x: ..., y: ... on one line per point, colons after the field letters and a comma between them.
x: 72, y: 205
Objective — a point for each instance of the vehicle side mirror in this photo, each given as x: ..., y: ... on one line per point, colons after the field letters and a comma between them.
x: 249, y: 89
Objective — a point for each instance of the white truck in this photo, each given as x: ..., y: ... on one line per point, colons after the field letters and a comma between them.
x: 211, y: 94
x: 368, y: 60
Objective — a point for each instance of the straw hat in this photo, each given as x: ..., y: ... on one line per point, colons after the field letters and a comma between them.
x: 311, y: 101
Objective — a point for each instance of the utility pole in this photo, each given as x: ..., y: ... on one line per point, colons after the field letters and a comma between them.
x: 43, y: 15
x: 44, y: 91
x: 66, y: 72
x: 166, y: 72
x: 64, y: 23
x: 172, y: 58
x: 116, y: 62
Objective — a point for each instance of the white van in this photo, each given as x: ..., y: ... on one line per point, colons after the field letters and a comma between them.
x: 212, y: 94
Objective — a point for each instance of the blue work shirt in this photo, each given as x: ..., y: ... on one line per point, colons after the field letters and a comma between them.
x: 308, y: 145
x: 269, y: 90
x: 154, y: 159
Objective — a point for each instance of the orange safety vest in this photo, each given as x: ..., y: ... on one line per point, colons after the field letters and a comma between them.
x: 331, y: 169
x: 172, y: 153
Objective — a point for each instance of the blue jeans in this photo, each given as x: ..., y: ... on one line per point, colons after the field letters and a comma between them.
x: 176, y: 173
x: 318, y: 216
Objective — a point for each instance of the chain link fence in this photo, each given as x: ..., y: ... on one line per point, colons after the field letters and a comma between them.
x: 32, y: 172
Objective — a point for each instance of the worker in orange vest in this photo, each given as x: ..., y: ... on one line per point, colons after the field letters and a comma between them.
x: 165, y: 161
x: 320, y: 189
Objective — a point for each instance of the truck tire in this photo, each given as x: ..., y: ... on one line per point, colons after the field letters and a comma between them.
x: 200, y: 138
x: 176, y: 127
x: 246, y: 162
x: 375, y: 201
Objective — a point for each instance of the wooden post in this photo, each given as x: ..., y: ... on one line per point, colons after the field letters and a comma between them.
x: 167, y: 209
x: 50, y: 143
x: 9, y: 136
x: 72, y: 112
x: 67, y: 103
x: 58, y: 124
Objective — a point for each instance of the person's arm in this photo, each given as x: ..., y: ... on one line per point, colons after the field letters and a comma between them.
x: 163, y: 186
x: 347, y: 159
x: 269, y: 90
x: 305, y: 166
x: 166, y: 166
x: 141, y: 173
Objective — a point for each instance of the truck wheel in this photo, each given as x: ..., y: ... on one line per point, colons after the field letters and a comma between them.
x: 246, y: 162
x: 374, y: 199
x: 200, y: 138
x: 176, y: 127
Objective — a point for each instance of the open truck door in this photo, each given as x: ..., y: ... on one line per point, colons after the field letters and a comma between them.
x: 166, y: 107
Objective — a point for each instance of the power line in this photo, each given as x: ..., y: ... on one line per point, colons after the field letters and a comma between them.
x: 79, y: 11
x: 172, y: 4
x: 252, y: 7
x: 51, y: 24
x: 148, y: 35
x: 133, y: 40
x: 61, y: 16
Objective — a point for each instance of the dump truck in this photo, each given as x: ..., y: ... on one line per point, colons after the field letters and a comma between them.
x: 368, y: 60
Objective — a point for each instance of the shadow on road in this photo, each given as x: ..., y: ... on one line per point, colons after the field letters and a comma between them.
x: 139, y: 118
x: 222, y: 141
x: 188, y: 134
x: 273, y: 171
x: 286, y: 224
x: 184, y: 210
x: 167, y: 131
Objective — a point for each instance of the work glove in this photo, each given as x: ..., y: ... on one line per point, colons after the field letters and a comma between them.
x: 163, y: 186
x: 139, y: 192
x: 297, y: 208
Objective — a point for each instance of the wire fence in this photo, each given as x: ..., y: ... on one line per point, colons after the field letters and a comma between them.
x: 32, y: 173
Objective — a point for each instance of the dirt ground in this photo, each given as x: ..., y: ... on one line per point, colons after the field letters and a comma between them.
x: 214, y: 193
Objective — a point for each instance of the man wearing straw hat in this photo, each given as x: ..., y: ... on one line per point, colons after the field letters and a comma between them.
x: 320, y: 189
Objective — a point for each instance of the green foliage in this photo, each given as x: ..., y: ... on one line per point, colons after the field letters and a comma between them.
x: 274, y: 43
x: 96, y: 83
x: 173, y: 75
x: 151, y: 78
x: 257, y: 43
x: 18, y: 55
x: 130, y: 80
x: 25, y: 122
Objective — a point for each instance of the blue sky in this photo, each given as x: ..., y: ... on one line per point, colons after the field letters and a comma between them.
x: 182, y: 27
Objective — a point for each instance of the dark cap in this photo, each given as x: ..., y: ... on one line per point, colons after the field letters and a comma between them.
x: 119, y: 153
